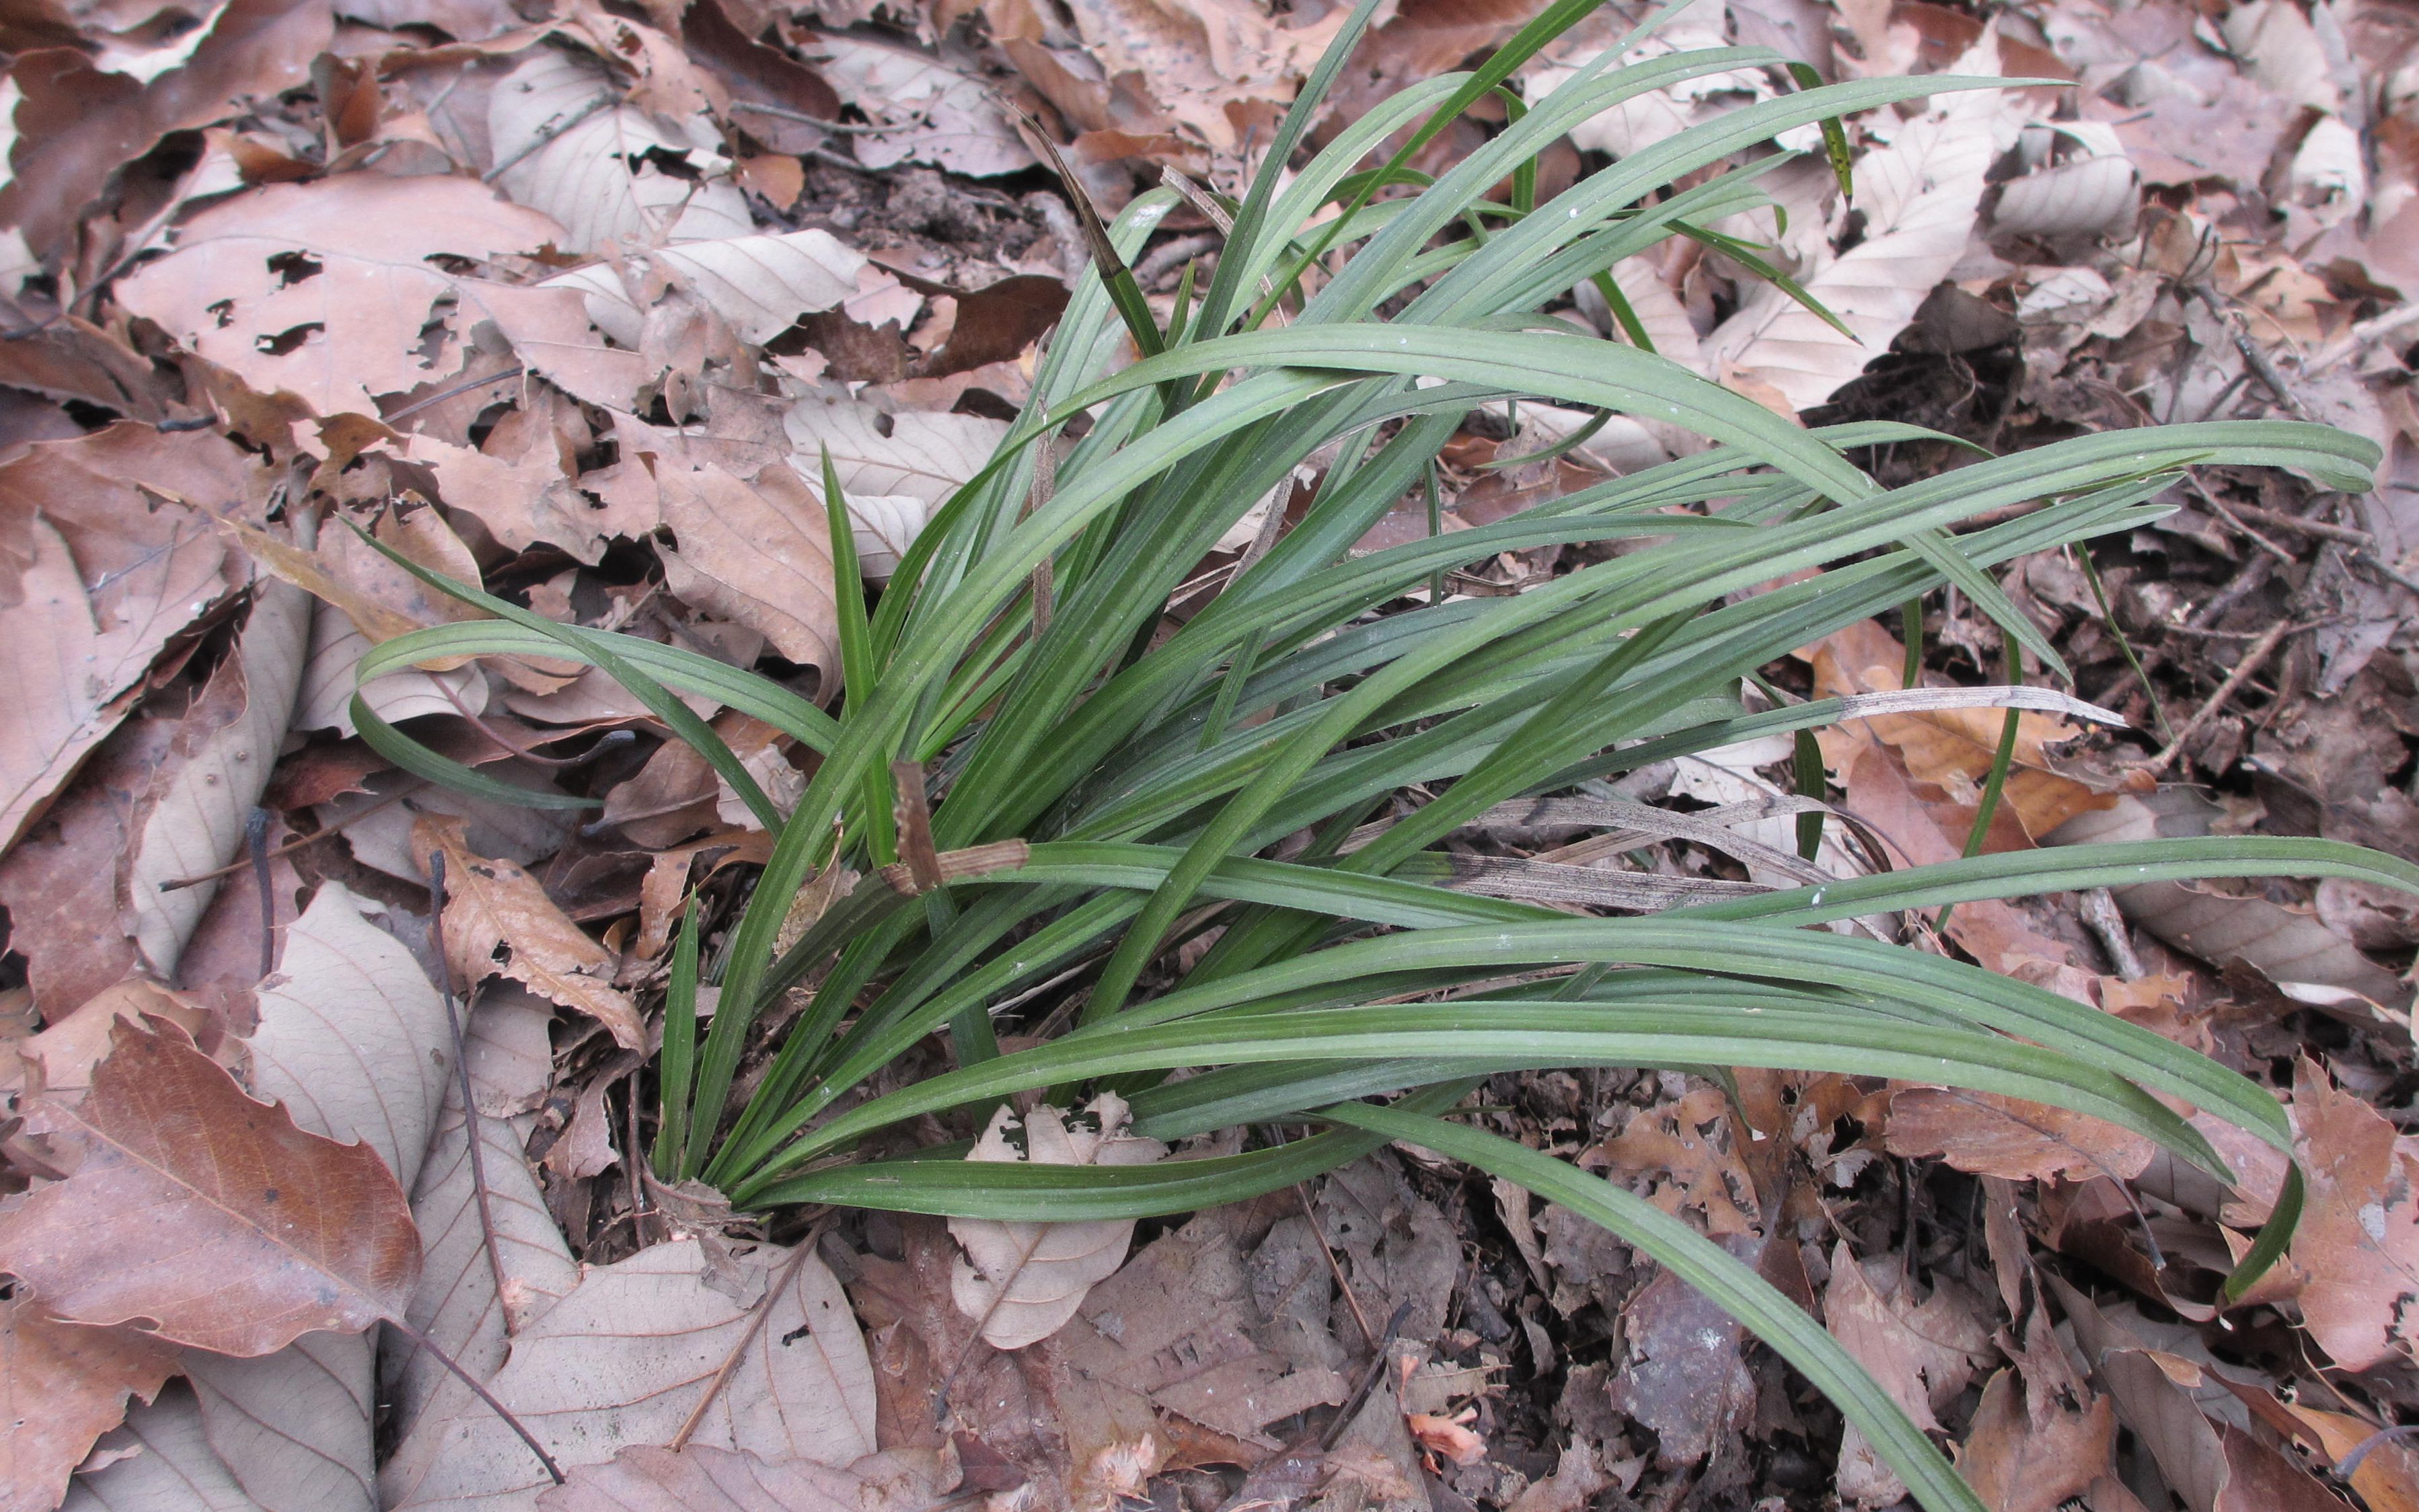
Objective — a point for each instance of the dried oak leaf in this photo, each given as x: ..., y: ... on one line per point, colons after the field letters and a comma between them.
x: 1923, y: 1353
x: 2358, y: 1237
x: 209, y: 1215
x: 1988, y: 1135
x: 1023, y: 1281
x: 491, y: 904
x: 704, y: 1479
x: 65, y: 1385
x: 2029, y: 1452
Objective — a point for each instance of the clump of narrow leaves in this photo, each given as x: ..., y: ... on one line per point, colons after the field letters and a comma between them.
x: 1058, y: 805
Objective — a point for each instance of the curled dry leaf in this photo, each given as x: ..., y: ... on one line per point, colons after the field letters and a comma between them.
x: 2358, y: 1237
x: 1451, y: 1438
x: 702, y: 1479
x: 251, y: 1232
x: 622, y: 1361
x: 492, y: 904
x: 1689, y: 1141
x: 1021, y: 1282
x: 66, y: 1385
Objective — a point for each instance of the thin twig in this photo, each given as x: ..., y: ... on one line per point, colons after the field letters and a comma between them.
x: 2362, y: 334
x: 256, y: 844
x: 2258, y: 652
x: 292, y: 845
x: 1368, y: 1383
x: 545, y: 133
x: 756, y: 1318
x: 471, y: 1135
x: 2218, y: 507
x: 2252, y: 358
x: 788, y: 113
x: 458, y: 390
x: 2100, y: 913
x: 2299, y: 526
x: 424, y: 1341
x: 1368, y: 1334
x: 2349, y: 1465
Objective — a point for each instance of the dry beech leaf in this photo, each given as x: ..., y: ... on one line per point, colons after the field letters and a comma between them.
x: 757, y: 285
x: 159, y: 1462
x: 89, y: 512
x: 941, y: 116
x: 2358, y: 1237
x: 921, y: 455
x: 590, y: 174
x: 74, y: 1042
x: 1448, y: 1437
x: 703, y: 1479
x: 323, y: 290
x: 254, y: 1232
x: 1988, y: 1135
x: 1918, y: 194
x: 756, y: 553
x: 1923, y: 1353
x: 622, y: 1361
x: 491, y: 904
x: 65, y: 1385
x: 1021, y: 1282
x: 457, y: 1305
x: 324, y: 701
x: 191, y: 823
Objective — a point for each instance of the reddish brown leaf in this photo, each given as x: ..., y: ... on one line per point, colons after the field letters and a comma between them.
x: 2358, y: 1237
x: 1993, y: 1136
x: 206, y: 1213
x: 62, y: 1386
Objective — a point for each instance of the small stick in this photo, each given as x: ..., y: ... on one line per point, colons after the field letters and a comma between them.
x: 2100, y: 913
x: 2360, y: 336
x: 1352, y: 1404
x: 756, y: 1318
x: 256, y: 842
x: 545, y: 134
x: 292, y: 845
x: 2252, y: 358
x: 1368, y: 1334
x: 2253, y: 657
x: 789, y: 113
x: 457, y: 392
x: 2299, y: 526
x: 424, y: 1341
x: 471, y: 1137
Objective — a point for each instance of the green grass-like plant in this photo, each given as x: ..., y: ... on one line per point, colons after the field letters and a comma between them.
x: 1099, y: 795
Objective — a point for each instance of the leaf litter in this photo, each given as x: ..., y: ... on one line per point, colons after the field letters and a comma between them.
x: 572, y: 304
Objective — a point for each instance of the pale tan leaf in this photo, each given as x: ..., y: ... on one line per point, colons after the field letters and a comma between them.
x: 551, y: 333
x: 293, y: 1427
x: 1919, y: 195
x: 702, y: 1479
x: 580, y: 159
x: 71, y: 1043
x: 323, y: 290
x: 159, y: 1462
x: 324, y: 701
x: 757, y: 285
x: 457, y: 1305
x: 492, y: 903
x: 1021, y: 1282
x: 525, y: 501
x: 96, y: 572
x: 623, y: 1360
x: 2085, y: 195
x: 2359, y: 1240
x: 922, y: 455
x: 941, y: 116
x: 757, y: 553
x: 61, y: 1387
x: 192, y: 821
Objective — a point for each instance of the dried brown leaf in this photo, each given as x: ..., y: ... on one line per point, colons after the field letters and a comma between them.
x: 622, y: 1361
x: 2359, y: 1237
x: 254, y: 1232
x: 1989, y: 1134
x: 493, y: 905
x: 65, y: 1385
x: 758, y: 553
x: 1922, y: 1352
x: 2028, y: 1452
x: 1021, y: 1282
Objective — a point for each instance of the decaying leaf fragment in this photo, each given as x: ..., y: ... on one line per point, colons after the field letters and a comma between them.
x: 64, y: 1386
x: 1023, y: 1281
x: 2358, y: 1237
x: 207, y: 1215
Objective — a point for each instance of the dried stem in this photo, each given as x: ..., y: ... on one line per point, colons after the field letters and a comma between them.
x: 755, y: 1325
x: 2258, y: 652
x: 422, y: 1341
x: 292, y: 845
x: 256, y: 844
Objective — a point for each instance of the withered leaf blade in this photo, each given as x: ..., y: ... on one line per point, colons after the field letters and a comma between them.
x: 66, y: 1386
x: 205, y: 1213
